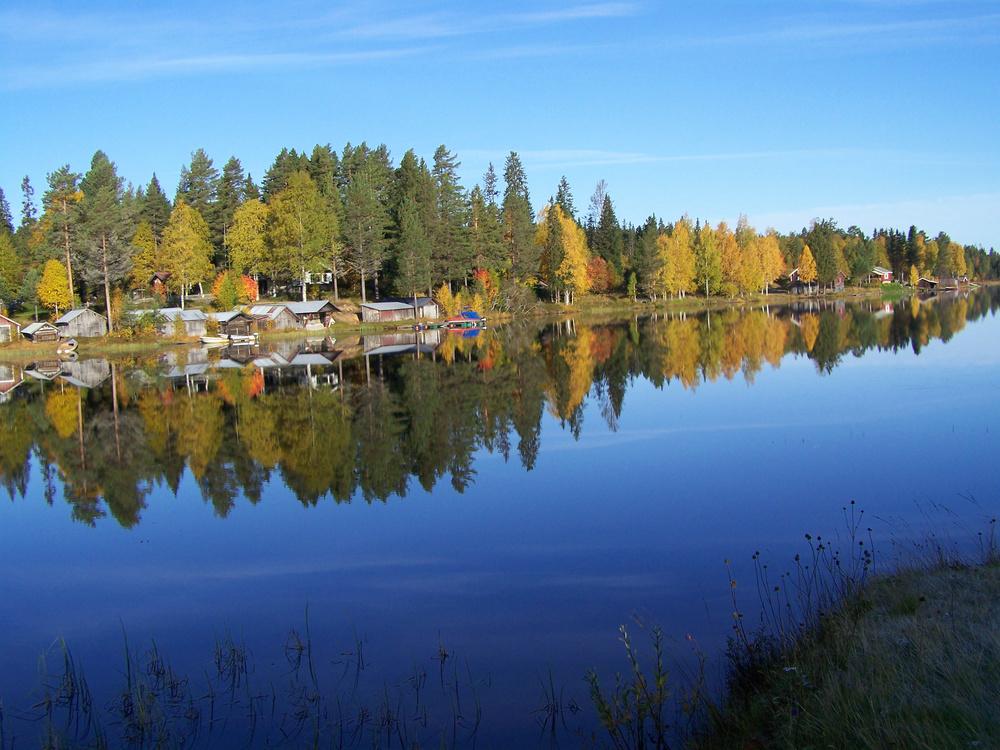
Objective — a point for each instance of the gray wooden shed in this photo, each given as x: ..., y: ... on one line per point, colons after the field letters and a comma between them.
x: 82, y: 323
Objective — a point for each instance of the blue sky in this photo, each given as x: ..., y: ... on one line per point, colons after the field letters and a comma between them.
x: 872, y: 112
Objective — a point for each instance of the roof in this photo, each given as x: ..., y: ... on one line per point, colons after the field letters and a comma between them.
x: 4, y: 317
x: 172, y: 313
x: 268, y: 311
x: 74, y: 314
x: 33, y: 328
x: 307, y: 308
x: 398, y: 304
x: 225, y: 317
x: 881, y: 271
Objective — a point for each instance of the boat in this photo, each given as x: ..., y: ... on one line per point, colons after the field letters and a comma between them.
x: 66, y: 348
x: 248, y: 338
x: 466, y: 319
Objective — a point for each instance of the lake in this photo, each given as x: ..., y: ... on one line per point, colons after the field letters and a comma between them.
x: 349, y: 542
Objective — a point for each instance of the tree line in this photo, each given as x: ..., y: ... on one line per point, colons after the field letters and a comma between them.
x: 356, y: 219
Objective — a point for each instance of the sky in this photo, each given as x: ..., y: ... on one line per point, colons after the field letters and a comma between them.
x: 875, y: 113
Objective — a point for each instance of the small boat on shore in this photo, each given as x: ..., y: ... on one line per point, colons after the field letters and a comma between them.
x: 66, y: 348
x: 462, y: 321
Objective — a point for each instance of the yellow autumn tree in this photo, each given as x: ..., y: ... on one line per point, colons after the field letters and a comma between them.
x: 187, y: 249
x: 807, y: 266
x: 677, y: 262
x: 732, y: 260
x: 145, y: 262
x: 446, y: 301
x: 53, y: 289
x: 573, y: 269
x: 772, y: 261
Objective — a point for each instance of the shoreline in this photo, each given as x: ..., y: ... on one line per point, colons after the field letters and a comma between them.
x: 22, y: 351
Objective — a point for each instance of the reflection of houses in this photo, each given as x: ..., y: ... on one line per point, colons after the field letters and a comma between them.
x: 86, y: 373
x: 273, y: 317
x: 45, y: 369
x: 42, y: 331
x: 9, y: 330
x: 409, y: 342
x: 10, y: 378
x: 398, y: 309
x: 82, y: 323
x: 233, y: 322
x: 192, y: 321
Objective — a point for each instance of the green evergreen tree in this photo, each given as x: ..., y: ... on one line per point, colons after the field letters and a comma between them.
x: 276, y: 177
x: 6, y: 219
x: 518, y: 224
x: 199, y: 188
x: 61, y: 201
x: 564, y: 198
x: 229, y: 197
x: 608, y: 241
x: 154, y: 208
x: 449, y: 235
x: 107, y: 227
x: 365, y: 223
x: 29, y: 215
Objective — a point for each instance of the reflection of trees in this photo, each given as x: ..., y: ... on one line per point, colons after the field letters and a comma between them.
x: 421, y: 417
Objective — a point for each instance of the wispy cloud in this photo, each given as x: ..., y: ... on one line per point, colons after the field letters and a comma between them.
x: 45, y: 47
x: 813, y: 29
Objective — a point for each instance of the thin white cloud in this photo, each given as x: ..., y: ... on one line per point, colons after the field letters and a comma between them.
x: 816, y: 29
x: 141, y: 68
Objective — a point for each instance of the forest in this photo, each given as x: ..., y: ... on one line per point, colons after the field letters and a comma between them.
x: 356, y: 223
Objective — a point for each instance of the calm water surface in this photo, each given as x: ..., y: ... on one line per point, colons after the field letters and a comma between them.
x: 487, y: 510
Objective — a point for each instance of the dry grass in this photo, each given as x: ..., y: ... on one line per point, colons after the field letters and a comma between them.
x: 911, y: 661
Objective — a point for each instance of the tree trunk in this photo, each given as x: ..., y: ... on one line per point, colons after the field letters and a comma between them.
x: 364, y: 300
x: 107, y: 285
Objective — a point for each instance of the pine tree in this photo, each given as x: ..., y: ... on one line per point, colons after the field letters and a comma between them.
x: 6, y: 219
x: 518, y: 226
x: 449, y: 238
x: 61, y: 201
x: 365, y: 222
x: 199, y: 188
x: 607, y: 240
x: 413, y: 253
x: 106, y: 252
x: 564, y: 198
x: 229, y: 197
x: 28, y: 214
x: 155, y: 208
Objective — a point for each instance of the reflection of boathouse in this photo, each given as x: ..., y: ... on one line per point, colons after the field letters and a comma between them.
x: 10, y: 378
x: 402, y: 342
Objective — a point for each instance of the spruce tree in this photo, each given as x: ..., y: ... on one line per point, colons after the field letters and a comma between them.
x: 449, y: 237
x: 199, y: 188
x: 518, y: 226
x: 155, y: 208
x: 608, y: 242
x: 6, y: 220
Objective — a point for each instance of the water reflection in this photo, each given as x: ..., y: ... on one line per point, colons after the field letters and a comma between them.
x: 365, y: 418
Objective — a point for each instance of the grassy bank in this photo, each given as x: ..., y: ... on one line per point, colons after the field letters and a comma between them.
x: 909, y: 659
